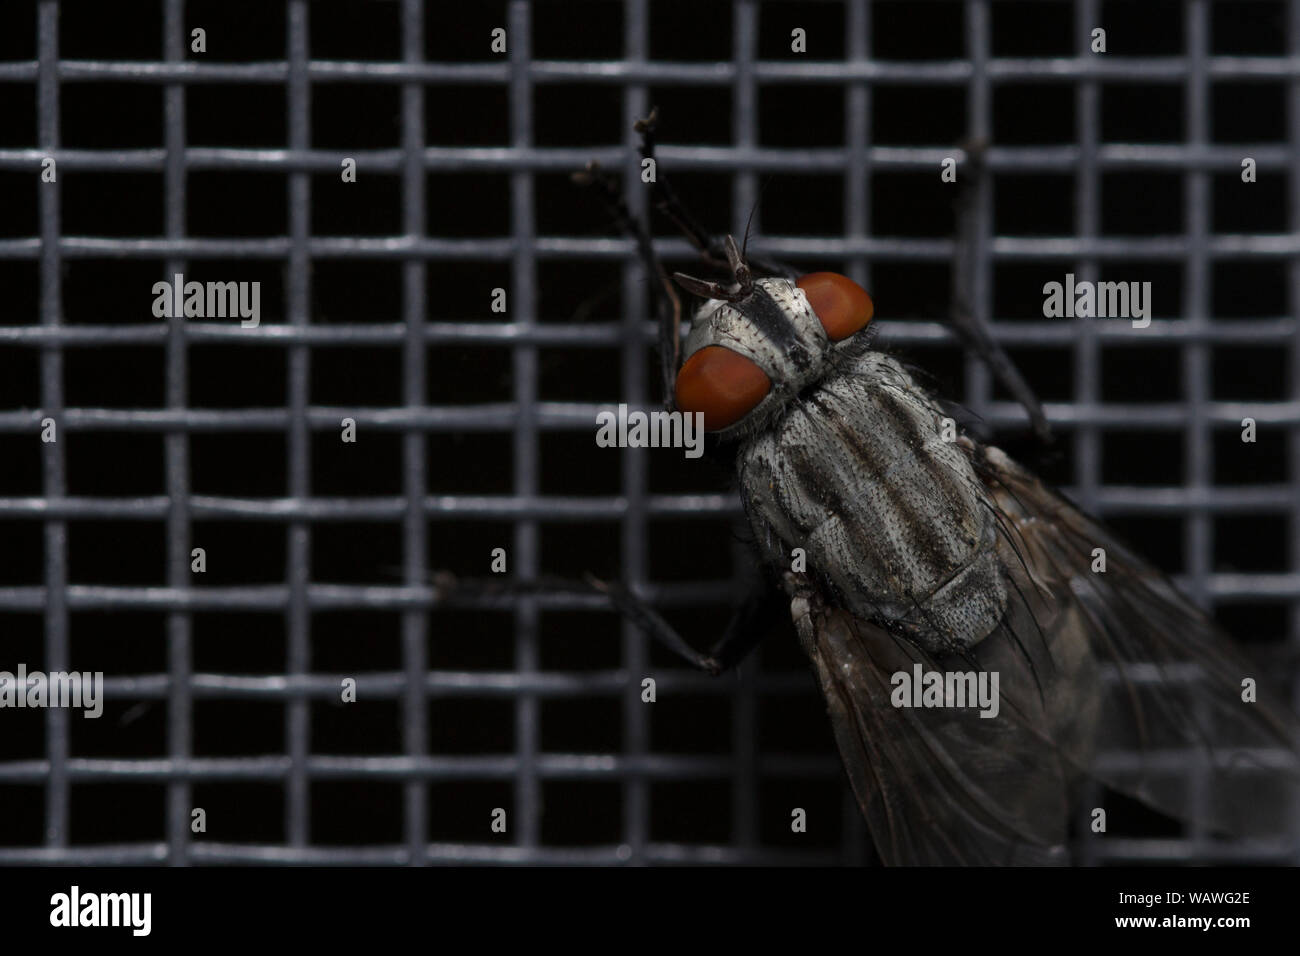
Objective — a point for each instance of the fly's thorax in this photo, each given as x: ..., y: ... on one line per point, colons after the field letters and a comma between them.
x: 776, y: 329
x: 858, y: 474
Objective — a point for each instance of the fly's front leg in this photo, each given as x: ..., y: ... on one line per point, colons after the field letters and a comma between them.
x: 749, y: 624
x: 665, y: 302
x: 665, y: 199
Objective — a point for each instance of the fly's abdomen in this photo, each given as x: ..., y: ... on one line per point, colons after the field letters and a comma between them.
x: 858, y: 475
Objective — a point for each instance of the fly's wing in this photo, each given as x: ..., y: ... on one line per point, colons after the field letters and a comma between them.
x: 1114, y: 675
x: 938, y: 786
x: 1142, y: 691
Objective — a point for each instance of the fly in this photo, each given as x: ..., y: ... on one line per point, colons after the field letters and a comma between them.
x: 902, y: 551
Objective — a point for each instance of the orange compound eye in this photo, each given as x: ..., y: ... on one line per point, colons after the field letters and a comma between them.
x: 841, y: 304
x: 722, y: 384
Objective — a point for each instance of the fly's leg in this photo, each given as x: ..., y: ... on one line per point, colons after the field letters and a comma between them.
x: 964, y: 318
x: 665, y: 197
x: 665, y: 301
x: 666, y: 200
x: 749, y: 624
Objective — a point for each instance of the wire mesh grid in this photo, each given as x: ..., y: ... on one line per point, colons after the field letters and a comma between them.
x: 477, y: 710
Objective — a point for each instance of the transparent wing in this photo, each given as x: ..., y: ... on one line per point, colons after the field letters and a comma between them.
x: 1114, y: 675
x: 937, y: 786
x: 1151, y: 692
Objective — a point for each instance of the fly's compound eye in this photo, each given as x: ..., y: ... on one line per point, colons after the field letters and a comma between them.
x: 841, y: 304
x: 722, y: 384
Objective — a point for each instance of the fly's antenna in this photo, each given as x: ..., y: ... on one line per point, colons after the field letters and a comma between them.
x: 744, y: 243
x: 740, y: 272
x: 739, y: 268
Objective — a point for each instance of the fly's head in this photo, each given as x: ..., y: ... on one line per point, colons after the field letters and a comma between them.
x: 756, y: 343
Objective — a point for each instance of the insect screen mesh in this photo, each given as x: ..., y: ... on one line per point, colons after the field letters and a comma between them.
x: 475, y: 428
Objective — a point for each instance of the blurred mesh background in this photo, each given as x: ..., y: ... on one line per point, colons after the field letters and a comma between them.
x: 476, y: 429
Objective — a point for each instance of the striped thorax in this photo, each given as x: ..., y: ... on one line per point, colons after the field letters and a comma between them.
x: 891, y: 515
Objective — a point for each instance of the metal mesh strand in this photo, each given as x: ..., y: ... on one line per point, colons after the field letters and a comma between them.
x: 422, y: 774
